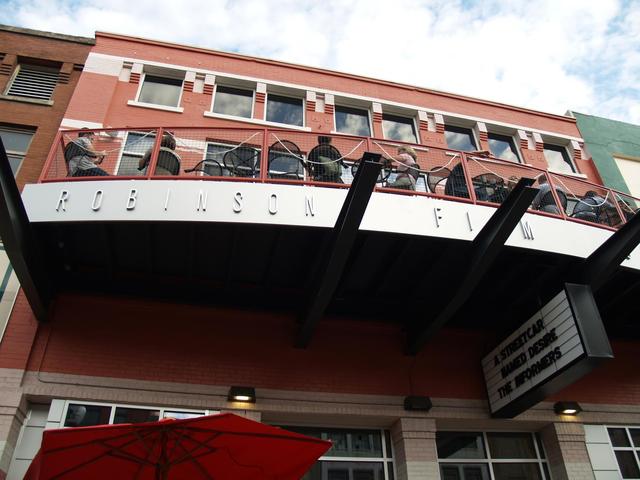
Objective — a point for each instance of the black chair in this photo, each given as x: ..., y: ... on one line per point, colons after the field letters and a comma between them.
x: 168, y: 162
x: 456, y: 185
x: 489, y: 187
x: 436, y: 178
x: 242, y: 161
x: 285, y: 160
x: 384, y: 174
x: 596, y: 209
x: 208, y: 167
x: 325, y: 164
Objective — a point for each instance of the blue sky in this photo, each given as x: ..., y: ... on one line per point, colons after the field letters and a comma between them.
x: 550, y: 55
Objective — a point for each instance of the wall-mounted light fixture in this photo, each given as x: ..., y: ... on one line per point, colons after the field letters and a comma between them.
x: 242, y: 394
x: 417, y: 403
x: 567, y: 408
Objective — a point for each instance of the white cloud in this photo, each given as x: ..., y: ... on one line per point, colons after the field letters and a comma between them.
x: 547, y: 55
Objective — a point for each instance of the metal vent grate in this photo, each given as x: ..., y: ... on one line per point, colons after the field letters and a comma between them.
x: 34, y: 82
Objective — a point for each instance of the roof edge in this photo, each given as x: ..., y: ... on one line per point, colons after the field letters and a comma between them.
x: 338, y: 73
x: 52, y: 35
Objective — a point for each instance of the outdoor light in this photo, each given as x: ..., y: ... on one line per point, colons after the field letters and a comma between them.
x: 567, y: 408
x: 417, y: 403
x: 242, y: 394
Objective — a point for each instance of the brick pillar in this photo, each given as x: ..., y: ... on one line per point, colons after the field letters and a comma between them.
x: 567, y: 452
x: 12, y: 416
x: 414, y: 443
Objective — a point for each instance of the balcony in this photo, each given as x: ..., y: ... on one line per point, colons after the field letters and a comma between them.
x: 239, y: 218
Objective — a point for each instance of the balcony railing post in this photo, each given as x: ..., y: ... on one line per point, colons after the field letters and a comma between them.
x: 614, y: 199
x: 556, y: 198
x: 467, y: 177
x: 264, y: 157
x: 153, y: 161
x: 57, y: 143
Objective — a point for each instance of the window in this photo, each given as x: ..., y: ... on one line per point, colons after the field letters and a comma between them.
x: 460, y: 138
x: 493, y: 455
x: 159, y: 90
x: 287, y: 110
x: 87, y: 414
x: 16, y: 143
x: 137, y: 144
x: 355, y: 454
x: 33, y: 81
x: 236, y: 102
x: 626, y: 447
x: 558, y: 158
x: 503, y: 146
x: 399, y: 128
x: 353, y: 121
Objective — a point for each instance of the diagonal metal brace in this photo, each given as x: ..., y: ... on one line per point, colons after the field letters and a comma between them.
x: 605, y: 260
x: 338, y: 248
x: 20, y: 244
x: 484, y: 250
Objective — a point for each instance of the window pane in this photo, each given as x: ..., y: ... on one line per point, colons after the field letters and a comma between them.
x: 129, y: 166
x: 558, y: 158
x: 352, y: 121
x: 627, y: 464
x: 233, y: 101
x: 511, y: 445
x: 464, y: 472
x: 398, y: 128
x: 15, y: 141
x: 347, y: 443
x: 160, y: 91
x: 618, y: 437
x: 635, y: 436
x: 87, y: 415
x: 139, y: 143
x: 540, y: 446
x: 284, y: 110
x: 135, y: 415
x: 459, y: 138
x: 181, y: 415
x: 345, y: 471
x: 14, y: 162
x: 460, y: 445
x: 503, y: 146
x: 516, y: 471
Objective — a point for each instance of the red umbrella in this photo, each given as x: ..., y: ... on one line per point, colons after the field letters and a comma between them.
x: 218, y: 447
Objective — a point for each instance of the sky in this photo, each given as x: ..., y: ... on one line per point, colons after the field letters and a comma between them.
x: 548, y: 55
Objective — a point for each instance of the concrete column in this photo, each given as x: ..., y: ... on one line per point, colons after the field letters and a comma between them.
x: 12, y: 416
x: 414, y: 443
x: 567, y: 451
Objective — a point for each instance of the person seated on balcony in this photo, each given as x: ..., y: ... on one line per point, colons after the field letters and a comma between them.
x: 407, y: 167
x: 324, y: 160
x: 82, y: 159
x: 167, y: 149
x: 544, y: 200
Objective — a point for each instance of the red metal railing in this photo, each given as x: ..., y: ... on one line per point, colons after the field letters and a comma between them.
x: 284, y: 156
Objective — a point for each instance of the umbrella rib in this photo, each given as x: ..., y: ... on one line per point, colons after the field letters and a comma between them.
x: 209, y: 449
x: 195, y: 461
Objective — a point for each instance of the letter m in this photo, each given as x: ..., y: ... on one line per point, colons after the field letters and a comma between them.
x: 527, y: 231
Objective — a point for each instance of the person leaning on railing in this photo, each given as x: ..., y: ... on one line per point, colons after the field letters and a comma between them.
x: 408, y: 169
x: 82, y: 159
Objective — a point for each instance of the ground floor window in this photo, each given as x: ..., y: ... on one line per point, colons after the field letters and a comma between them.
x: 491, y: 456
x: 355, y: 455
x: 626, y: 447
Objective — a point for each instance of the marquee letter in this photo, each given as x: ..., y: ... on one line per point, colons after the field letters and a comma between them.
x: 133, y: 198
x: 202, y: 201
x: 527, y: 231
x: 166, y: 200
x: 97, y: 200
x: 469, y: 222
x: 64, y: 196
x: 309, y: 207
x: 437, y: 213
x: 273, y: 204
x: 237, y: 202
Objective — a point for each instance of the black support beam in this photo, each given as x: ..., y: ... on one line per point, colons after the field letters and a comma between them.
x: 337, y: 250
x: 469, y: 269
x: 603, y: 263
x: 20, y: 244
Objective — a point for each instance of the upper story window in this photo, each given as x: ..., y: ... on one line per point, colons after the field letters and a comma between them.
x: 558, y: 158
x: 16, y: 143
x: 504, y: 147
x: 237, y: 102
x: 395, y: 127
x: 160, y: 90
x: 492, y: 455
x: 287, y: 110
x: 460, y: 138
x: 33, y: 81
x: 354, y: 121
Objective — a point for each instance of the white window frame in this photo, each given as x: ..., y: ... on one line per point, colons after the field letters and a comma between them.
x: 383, y: 459
x: 489, y: 461
x: 113, y: 407
x: 288, y: 95
x: 402, y: 115
x: 239, y: 87
x: 355, y: 107
x: 632, y: 448
x: 159, y: 106
x: 16, y: 152
x: 513, y: 137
